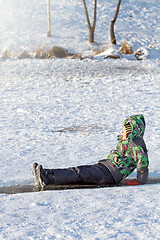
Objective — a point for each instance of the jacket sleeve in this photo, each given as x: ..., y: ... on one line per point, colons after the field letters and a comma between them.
x: 142, y: 164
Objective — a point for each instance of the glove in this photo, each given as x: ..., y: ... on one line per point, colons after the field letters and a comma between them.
x: 132, y: 183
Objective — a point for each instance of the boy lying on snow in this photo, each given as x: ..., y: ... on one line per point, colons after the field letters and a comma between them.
x: 130, y: 153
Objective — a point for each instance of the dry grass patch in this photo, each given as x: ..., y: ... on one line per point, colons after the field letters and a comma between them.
x: 24, y: 55
x: 6, y: 54
x: 77, y: 56
x: 112, y: 56
x: 126, y: 48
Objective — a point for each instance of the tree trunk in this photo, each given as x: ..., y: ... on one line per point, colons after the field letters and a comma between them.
x: 113, y: 38
x: 91, y: 35
x: 49, y: 19
x: 91, y: 28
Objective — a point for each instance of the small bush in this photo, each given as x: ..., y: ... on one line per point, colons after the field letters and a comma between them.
x: 59, y: 52
x: 126, y: 49
x: 53, y: 52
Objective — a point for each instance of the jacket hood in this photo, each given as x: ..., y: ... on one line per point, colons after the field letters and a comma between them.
x: 138, y: 126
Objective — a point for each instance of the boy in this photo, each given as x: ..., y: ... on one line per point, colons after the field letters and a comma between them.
x: 130, y: 153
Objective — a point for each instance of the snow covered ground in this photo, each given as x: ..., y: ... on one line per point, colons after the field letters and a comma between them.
x: 23, y: 25
x: 88, y: 100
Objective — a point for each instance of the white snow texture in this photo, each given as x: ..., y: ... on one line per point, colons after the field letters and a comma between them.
x: 88, y: 100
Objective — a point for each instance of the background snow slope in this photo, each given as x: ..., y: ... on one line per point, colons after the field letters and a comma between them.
x: 24, y: 25
x: 88, y: 100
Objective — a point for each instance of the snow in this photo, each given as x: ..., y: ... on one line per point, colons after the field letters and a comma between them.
x: 112, y: 213
x: 64, y: 112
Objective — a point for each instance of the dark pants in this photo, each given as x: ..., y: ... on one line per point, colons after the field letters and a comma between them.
x: 97, y: 173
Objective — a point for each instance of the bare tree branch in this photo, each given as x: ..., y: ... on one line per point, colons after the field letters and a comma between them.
x: 113, y: 38
x: 48, y: 18
x: 91, y: 28
x: 95, y: 11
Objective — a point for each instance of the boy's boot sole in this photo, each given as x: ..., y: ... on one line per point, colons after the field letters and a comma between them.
x: 36, y: 171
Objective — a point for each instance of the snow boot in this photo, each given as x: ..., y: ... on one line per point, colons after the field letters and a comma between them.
x: 42, y: 176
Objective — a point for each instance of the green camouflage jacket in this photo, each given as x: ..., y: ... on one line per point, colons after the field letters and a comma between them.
x: 130, y: 154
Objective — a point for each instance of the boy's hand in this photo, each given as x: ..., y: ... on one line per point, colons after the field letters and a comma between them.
x: 132, y: 183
